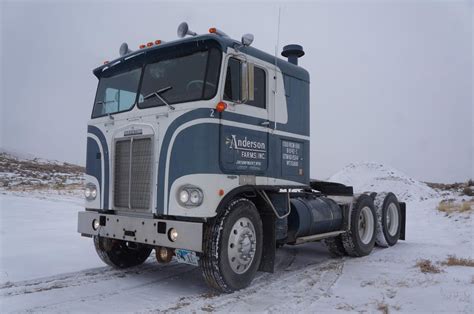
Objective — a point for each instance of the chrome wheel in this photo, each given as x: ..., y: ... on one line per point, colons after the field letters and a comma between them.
x: 366, y: 225
x: 392, y: 219
x: 242, y: 245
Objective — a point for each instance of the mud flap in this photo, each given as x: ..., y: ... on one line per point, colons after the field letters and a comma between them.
x: 403, y: 211
x: 267, y: 264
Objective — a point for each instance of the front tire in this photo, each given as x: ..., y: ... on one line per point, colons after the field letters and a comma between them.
x: 232, y: 247
x: 360, y: 239
x: 120, y: 254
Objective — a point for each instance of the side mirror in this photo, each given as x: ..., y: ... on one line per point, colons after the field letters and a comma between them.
x: 247, y: 83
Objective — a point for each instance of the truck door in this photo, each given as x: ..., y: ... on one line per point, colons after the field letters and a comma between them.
x: 244, y: 126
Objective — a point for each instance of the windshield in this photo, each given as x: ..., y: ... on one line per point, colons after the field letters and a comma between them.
x: 185, y: 78
x: 116, y: 93
x: 175, y: 76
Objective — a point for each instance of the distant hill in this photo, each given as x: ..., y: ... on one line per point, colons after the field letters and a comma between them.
x: 27, y: 172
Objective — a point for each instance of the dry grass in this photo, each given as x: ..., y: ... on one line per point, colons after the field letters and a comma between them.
x: 452, y: 260
x: 426, y: 267
x: 465, y: 188
x: 451, y: 206
x: 468, y: 190
x: 382, y: 307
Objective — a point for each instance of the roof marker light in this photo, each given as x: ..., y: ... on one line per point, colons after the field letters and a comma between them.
x: 157, y: 42
x: 221, y: 106
x: 105, y: 62
x: 149, y: 44
x: 216, y: 31
x: 142, y: 46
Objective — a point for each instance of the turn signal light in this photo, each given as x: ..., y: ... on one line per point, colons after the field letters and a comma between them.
x: 221, y: 106
x: 221, y: 192
x: 142, y: 46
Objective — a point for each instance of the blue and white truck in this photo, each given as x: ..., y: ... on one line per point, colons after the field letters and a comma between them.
x: 199, y: 149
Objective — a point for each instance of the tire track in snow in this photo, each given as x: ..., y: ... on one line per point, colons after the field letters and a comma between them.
x: 302, y: 270
x: 84, y: 277
x: 159, y: 280
x: 317, y: 277
x: 73, y: 279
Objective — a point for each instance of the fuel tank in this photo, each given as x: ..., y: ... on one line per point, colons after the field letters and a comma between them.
x: 313, y: 215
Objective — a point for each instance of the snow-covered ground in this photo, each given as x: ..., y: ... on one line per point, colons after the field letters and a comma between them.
x: 45, y: 266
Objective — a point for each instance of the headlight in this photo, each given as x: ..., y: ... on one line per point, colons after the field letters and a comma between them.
x: 195, y: 197
x: 173, y: 235
x: 190, y: 196
x: 184, y: 196
x: 90, y: 192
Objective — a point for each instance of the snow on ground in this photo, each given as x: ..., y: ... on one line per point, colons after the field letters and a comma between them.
x: 47, y: 267
x: 380, y: 178
x: 38, y: 237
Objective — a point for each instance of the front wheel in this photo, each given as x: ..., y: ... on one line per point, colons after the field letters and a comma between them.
x: 121, y: 254
x: 232, y: 247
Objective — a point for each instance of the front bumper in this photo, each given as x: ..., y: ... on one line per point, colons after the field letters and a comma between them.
x: 142, y: 230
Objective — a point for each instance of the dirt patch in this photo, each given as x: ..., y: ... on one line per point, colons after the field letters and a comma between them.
x: 452, y: 260
x: 181, y: 303
x: 427, y: 267
x: 207, y: 308
x: 209, y: 295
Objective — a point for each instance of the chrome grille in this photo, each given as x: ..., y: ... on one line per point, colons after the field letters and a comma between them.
x: 122, y: 174
x: 133, y: 166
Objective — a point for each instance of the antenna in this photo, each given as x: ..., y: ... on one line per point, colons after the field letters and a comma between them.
x: 276, y: 79
x: 278, y: 35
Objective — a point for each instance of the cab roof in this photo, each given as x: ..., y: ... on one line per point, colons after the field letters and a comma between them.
x: 224, y: 42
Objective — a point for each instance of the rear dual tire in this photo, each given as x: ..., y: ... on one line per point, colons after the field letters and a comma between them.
x: 388, y: 219
x: 360, y: 239
x: 335, y: 246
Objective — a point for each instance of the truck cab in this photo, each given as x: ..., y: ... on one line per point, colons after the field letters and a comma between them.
x: 202, y: 141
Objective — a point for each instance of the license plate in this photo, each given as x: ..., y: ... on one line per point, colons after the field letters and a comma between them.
x: 186, y: 257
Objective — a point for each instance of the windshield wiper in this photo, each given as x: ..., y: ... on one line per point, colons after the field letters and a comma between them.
x: 157, y: 95
x: 105, y: 102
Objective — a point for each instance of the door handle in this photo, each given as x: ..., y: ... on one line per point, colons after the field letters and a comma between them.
x: 265, y: 123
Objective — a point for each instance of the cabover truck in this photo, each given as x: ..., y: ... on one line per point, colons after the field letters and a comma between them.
x: 199, y: 149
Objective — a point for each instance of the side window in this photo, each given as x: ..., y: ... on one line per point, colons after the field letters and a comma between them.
x: 116, y: 100
x: 259, y: 89
x: 232, y: 88
x: 232, y: 80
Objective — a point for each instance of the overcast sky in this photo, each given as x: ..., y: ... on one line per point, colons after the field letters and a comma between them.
x: 391, y: 81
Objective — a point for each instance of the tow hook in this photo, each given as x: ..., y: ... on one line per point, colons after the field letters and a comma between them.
x: 164, y: 255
